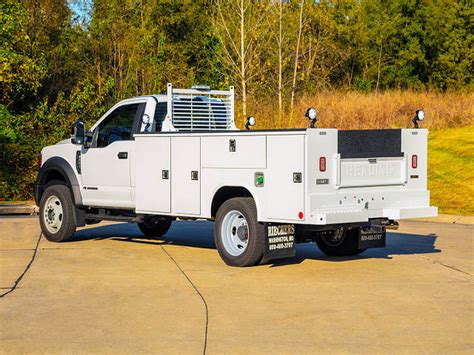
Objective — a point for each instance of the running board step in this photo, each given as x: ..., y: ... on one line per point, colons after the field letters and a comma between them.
x: 106, y: 217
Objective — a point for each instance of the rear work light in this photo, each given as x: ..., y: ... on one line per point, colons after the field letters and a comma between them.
x: 414, y: 161
x: 322, y: 164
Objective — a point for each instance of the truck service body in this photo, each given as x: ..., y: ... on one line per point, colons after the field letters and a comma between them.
x: 152, y: 159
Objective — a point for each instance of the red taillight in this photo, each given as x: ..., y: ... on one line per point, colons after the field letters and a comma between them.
x: 322, y: 164
x: 414, y: 161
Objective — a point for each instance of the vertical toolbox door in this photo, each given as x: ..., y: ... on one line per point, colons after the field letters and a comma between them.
x: 186, y: 175
x: 285, y: 177
x: 153, y: 188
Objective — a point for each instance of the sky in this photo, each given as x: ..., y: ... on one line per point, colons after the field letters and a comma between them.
x: 81, y: 9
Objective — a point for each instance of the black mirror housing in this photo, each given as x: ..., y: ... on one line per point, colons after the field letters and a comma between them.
x: 78, y: 133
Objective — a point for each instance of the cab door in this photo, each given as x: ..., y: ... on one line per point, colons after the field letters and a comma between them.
x: 106, y: 164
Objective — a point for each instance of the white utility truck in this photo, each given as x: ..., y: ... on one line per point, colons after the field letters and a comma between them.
x: 153, y: 159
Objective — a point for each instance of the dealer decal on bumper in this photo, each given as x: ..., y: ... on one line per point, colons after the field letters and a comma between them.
x: 279, y: 241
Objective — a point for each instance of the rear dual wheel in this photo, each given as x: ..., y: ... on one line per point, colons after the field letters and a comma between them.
x: 344, y: 242
x: 239, y: 237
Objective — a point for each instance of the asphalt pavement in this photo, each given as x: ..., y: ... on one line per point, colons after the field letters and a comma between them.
x: 112, y: 290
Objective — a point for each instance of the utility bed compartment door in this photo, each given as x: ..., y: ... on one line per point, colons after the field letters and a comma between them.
x: 153, y: 188
x: 186, y: 175
x: 234, y: 152
x: 360, y: 172
x: 285, y: 176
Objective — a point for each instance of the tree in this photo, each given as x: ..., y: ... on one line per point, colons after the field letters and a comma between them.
x: 20, y: 72
x: 295, y: 65
x: 449, y: 43
x: 238, y: 25
x: 381, y: 22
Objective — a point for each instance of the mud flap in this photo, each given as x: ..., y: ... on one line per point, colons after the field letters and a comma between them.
x: 279, y: 241
x: 373, y: 236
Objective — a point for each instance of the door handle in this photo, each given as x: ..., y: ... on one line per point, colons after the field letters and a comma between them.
x: 122, y: 155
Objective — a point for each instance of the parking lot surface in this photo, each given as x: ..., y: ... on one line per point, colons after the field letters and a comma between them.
x: 114, y: 290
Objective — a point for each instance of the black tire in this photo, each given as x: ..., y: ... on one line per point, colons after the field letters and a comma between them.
x: 253, y: 253
x: 348, y: 246
x: 155, y: 227
x: 68, y: 225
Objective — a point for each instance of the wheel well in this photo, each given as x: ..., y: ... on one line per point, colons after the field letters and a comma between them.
x: 49, y: 176
x: 225, y: 193
x: 57, y: 168
x: 54, y: 175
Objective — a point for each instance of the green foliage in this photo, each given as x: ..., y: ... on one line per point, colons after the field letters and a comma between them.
x: 20, y: 72
x: 55, y: 69
x: 23, y: 136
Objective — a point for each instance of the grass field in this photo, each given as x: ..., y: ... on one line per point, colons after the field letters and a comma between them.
x: 451, y: 169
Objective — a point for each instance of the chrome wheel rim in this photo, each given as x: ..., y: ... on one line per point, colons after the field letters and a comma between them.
x: 235, y: 233
x: 53, y: 214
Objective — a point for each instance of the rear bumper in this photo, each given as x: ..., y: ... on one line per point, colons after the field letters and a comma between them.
x: 352, y: 216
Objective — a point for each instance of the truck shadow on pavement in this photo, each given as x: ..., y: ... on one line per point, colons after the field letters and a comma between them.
x: 397, y: 244
x: 200, y: 234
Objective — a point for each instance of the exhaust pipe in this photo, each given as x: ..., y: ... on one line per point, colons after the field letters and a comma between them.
x: 393, y: 226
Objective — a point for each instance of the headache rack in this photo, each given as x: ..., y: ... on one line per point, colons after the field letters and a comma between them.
x: 201, y: 109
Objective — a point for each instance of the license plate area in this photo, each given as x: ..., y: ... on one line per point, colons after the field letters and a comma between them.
x: 373, y: 236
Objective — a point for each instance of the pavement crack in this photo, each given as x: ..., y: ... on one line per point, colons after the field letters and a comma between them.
x: 450, y: 267
x: 199, y: 294
x: 436, y: 262
x: 17, y: 281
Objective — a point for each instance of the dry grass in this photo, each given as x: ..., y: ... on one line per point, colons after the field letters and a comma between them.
x: 355, y: 110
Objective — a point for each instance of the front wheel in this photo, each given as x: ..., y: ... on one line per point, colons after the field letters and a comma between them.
x: 57, y: 213
x: 343, y: 242
x: 239, y: 237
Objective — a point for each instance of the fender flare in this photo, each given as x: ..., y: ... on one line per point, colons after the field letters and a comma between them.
x: 239, y: 191
x: 61, y: 166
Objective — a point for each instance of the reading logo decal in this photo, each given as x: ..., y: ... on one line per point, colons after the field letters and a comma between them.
x: 279, y: 240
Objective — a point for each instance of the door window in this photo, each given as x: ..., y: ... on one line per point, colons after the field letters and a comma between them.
x: 117, y: 126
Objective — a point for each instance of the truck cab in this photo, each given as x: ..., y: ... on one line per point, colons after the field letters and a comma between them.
x: 156, y: 158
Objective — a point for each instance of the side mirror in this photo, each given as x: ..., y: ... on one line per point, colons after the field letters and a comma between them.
x: 78, y: 133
